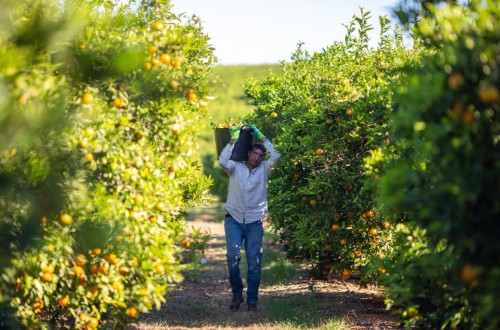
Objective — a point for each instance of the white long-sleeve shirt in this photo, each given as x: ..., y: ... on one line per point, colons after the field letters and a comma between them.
x: 247, y: 191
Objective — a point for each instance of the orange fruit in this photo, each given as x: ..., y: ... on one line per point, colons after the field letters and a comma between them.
x: 47, y: 277
x: 148, y: 66
x: 192, y: 96
x: 64, y: 301
x: 96, y: 251
x: 158, y: 26
x: 166, y: 58
x: 92, y: 324
x: 357, y: 254
x: 335, y: 227
x: 132, y: 312
x: 88, y: 98
x: 66, y: 219
x: 469, y: 273
x: 118, y: 102
x: 468, y: 118
x: 89, y: 157
x: 77, y: 270
x: 124, y: 270
x: 373, y: 231
x: 80, y: 260
x: 153, y: 49
x: 313, y: 202
x: 176, y: 62
x: 342, y: 241
x: 274, y: 115
x: 350, y: 111
x: 346, y: 273
x: 319, y: 151
x: 455, y: 80
x: 93, y: 268
x: 50, y: 268
x: 489, y: 94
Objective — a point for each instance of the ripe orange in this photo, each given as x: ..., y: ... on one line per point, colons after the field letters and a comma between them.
x: 89, y: 157
x: 166, y: 58
x: 148, y: 66
x: 469, y: 273
x: 346, y: 273
x: 335, y: 227
x: 118, y: 102
x: 176, y: 62
x: 192, y: 96
x: 350, y: 111
x: 80, y: 260
x: 132, y: 312
x: 274, y: 115
x: 47, y: 277
x: 66, y: 219
x: 96, y: 251
x: 77, y: 270
x: 489, y: 94
x: 93, y: 268
x: 455, y: 80
x: 124, y: 270
x: 93, y: 323
x: 313, y: 202
x: 88, y: 98
x: 158, y: 26
x: 468, y: 118
x: 319, y: 151
x: 159, y: 268
x: 357, y: 254
x: 153, y: 49
x: 342, y: 241
x: 50, y: 268
x: 373, y: 231
x: 64, y: 301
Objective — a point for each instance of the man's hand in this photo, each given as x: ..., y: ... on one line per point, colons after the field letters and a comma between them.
x: 234, y: 132
x: 256, y: 132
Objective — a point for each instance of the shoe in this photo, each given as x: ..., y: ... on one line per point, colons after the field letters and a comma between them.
x: 252, y: 307
x: 235, y: 303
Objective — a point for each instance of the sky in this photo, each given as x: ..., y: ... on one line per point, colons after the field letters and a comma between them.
x: 268, y: 31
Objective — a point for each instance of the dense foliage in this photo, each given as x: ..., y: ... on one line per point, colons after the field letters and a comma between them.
x: 445, y: 180
x: 100, y: 108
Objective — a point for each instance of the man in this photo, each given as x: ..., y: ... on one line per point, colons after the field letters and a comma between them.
x: 245, y: 208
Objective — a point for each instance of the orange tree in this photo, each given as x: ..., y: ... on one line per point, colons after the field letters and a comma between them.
x: 445, y: 180
x: 102, y: 161
x: 326, y: 114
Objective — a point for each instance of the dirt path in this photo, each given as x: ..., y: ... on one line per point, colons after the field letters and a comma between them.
x: 201, y: 302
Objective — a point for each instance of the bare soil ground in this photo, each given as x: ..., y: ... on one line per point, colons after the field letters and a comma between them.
x: 202, y: 301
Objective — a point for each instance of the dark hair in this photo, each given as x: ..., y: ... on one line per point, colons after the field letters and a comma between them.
x: 258, y: 146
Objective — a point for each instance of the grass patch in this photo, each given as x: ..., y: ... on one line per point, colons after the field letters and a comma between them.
x: 297, y: 312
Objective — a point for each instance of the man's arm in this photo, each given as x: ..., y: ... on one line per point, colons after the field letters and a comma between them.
x: 224, y: 158
x: 274, y: 156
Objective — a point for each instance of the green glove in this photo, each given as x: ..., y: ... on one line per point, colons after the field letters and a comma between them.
x: 256, y: 132
x: 234, y: 132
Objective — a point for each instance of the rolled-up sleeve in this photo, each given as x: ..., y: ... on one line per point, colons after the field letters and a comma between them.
x: 225, y: 159
x: 274, y: 156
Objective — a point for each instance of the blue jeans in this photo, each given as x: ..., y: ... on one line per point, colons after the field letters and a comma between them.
x: 252, y: 234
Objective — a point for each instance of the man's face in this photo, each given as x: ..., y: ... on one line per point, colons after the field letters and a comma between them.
x: 255, y: 157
